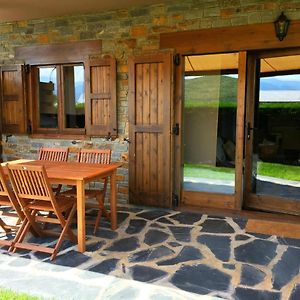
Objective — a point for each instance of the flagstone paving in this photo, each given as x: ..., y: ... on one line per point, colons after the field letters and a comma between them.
x: 203, y: 254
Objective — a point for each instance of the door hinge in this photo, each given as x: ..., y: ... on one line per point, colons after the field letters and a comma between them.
x: 175, y: 129
x: 176, y: 59
x: 175, y: 200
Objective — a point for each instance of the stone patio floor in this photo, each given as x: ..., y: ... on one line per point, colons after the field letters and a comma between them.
x: 202, y: 254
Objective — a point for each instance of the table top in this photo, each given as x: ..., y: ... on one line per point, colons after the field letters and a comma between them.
x: 70, y: 170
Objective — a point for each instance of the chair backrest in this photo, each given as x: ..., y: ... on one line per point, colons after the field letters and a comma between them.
x: 30, y: 183
x: 53, y: 154
x: 94, y: 156
x: 7, y: 193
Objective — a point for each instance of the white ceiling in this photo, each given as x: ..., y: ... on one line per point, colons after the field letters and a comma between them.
x: 16, y: 10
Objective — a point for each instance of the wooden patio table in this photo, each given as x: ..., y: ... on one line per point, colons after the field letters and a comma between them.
x: 78, y: 174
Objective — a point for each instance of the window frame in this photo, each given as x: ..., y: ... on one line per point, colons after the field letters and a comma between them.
x: 61, y: 129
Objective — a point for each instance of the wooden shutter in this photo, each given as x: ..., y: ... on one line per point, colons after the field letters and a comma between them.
x: 13, y: 109
x: 150, y: 104
x: 101, y: 112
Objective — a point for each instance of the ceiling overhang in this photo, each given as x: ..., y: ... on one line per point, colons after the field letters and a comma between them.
x: 17, y: 10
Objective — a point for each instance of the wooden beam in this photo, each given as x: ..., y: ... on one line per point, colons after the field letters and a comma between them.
x: 58, y: 52
x: 228, y: 39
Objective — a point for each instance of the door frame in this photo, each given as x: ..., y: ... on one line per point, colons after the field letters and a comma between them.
x: 206, y: 199
x: 246, y: 38
x: 252, y: 200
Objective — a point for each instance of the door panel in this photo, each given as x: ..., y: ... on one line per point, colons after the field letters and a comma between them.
x: 13, y: 110
x: 150, y: 83
x: 273, y: 136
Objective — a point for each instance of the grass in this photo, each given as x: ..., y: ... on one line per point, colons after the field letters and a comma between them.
x: 279, y: 171
x: 6, y: 294
x: 263, y: 168
x: 209, y: 172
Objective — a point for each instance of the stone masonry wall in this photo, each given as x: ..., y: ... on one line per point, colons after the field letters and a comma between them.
x: 123, y: 33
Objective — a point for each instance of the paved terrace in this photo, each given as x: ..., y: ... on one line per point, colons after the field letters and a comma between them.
x: 203, y: 254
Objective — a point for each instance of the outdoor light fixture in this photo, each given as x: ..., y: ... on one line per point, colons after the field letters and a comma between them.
x: 281, y: 26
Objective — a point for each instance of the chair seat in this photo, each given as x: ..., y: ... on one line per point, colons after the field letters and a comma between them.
x: 5, y: 201
x: 64, y: 203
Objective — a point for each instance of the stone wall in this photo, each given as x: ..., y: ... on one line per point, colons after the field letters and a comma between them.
x: 123, y: 33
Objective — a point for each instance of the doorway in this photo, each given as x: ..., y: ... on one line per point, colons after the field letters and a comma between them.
x: 210, y: 114
x: 273, y: 135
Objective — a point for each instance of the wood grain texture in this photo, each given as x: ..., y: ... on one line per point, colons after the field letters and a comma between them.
x: 101, y: 97
x: 56, y: 53
x: 208, y: 200
x: 13, y: 111
x: 227, y: 39
x: 240, y: 128
x: 282, y: 229
x: 150, y: 81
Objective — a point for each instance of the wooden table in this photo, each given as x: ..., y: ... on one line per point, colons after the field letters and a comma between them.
x: 78, y: 174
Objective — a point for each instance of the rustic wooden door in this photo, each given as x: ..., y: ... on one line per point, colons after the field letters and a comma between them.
x: 150, y: 151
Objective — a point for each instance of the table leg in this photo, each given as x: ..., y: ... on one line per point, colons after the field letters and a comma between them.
x: 80, y: 215
x: 113, y: 201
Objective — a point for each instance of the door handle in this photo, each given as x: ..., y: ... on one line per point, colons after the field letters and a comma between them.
x: 249, y: 130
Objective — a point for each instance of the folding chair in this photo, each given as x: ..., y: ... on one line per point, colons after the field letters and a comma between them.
x: 94, y: 156
x: 37, y: 200
x: 54, y: 154
x: 8, y: 202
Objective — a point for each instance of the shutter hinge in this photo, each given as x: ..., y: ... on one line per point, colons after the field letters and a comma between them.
x: 175, y: 200
x: 176, y: 59
x: 175, y: 129
x: 27, y: 68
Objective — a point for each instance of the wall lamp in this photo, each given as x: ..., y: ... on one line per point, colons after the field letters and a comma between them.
x: 281, y: 26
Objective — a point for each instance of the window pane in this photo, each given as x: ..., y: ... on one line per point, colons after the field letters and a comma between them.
x: 48, y: 97
x: 210, y: 103
x: 276, y: 147
x: 74, y: 99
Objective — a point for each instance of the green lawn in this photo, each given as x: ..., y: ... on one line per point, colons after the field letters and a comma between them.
x: 6, y: 294
x: 209, y: 172
x: 279, y: 171
x: 263, y: 168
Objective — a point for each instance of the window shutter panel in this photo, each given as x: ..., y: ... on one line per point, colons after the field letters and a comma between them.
x: 13, y: 108
x: 100, y: 90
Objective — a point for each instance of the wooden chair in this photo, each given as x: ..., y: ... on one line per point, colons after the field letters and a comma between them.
x: 10, y: 202
x: 94, y: 156
x: 37, y: 200
x: 54, y: 154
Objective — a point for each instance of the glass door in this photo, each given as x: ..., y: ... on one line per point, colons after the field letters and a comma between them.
x: 209, y: 115
x: 273, y: 136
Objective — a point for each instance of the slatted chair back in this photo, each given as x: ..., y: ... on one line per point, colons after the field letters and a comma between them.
x: 31, y: 183
x: 53, y: 154
x: 6, y: 193
x: 94, y: 156
x: 34, y: 193
x: 8, y: 200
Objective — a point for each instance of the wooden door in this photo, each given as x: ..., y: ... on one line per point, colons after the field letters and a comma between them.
x: 150, y: 151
